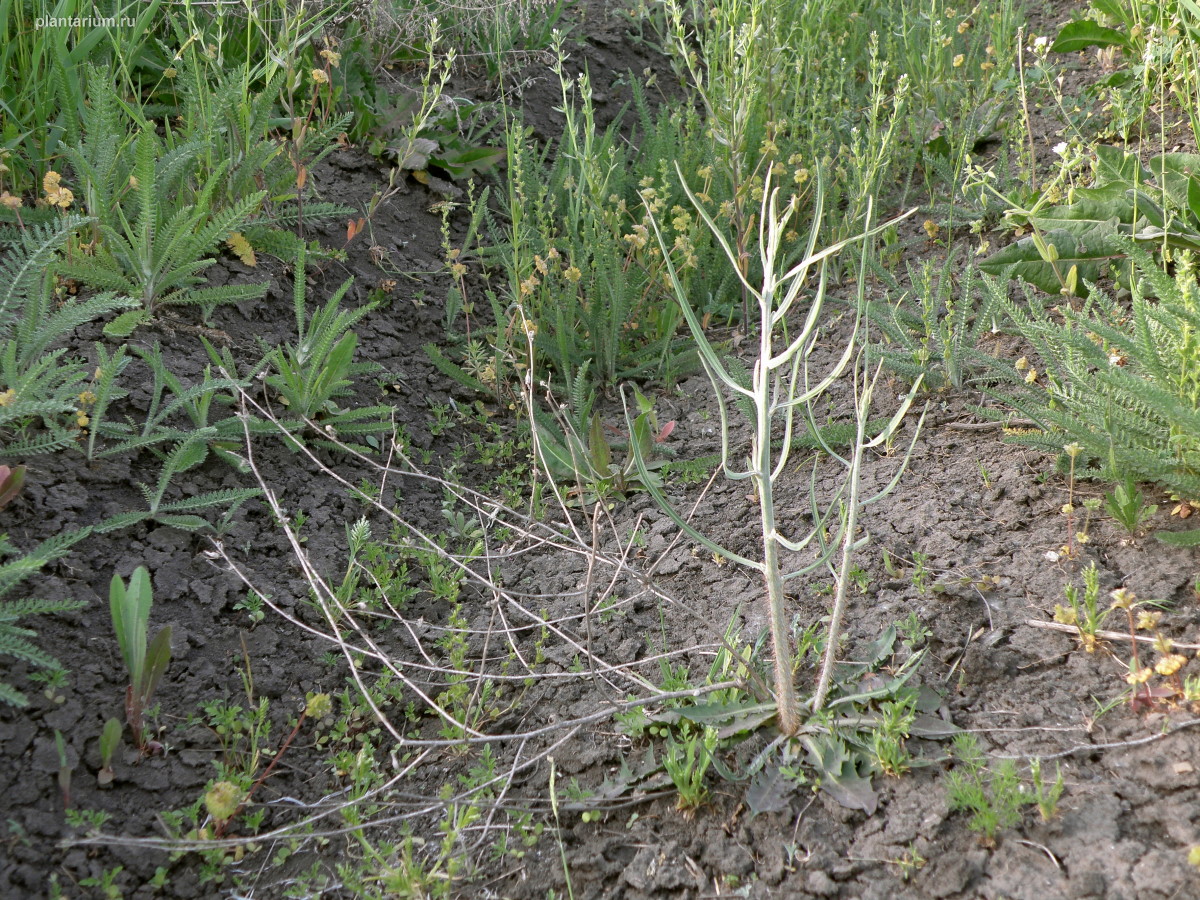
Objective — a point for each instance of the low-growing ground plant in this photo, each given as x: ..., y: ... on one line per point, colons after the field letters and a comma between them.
x: 992, y: 794
x: 39, y: 383
x: 1128, y: 507
x: 934, y: 329
x: 153, y: 226
x: 1118, y: 384
x: 314, y: 374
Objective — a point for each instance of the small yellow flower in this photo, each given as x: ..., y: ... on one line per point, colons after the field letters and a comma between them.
x: 1073, y: 449
x: 964, y: 26
x: 931, y: 228
x: 1141, y: 676
x: 10, y: 202
x: 639, y: 237
x: 1147, y: 620
x: 318, y: 706
x: 1021, y: 364
x: 987, y: 66
x: 1123, y: 598
x: 572, y: 274
x: 1065, y: 615
x: 1169, y: 665
x: 332, y: 57
x: 458, y: 270
x: 87, y: 398
x: 223, y: 800
x: 1193, y: 856
x: 7, y: 398
x: 82, y: 420
x: 170, y: 72
x: 56, y: 194
x: 319, y: 76
x: 959, y: 60
x: 540, y: 265
x: 1031, y: 376
x: 1067, y: 509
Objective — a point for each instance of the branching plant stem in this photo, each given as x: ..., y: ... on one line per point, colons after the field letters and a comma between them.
x: 782, y: 385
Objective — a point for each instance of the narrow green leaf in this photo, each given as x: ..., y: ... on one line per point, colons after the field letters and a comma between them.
x: 158, y: 657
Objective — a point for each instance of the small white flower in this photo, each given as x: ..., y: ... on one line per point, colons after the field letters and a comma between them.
x: 1060, y: 149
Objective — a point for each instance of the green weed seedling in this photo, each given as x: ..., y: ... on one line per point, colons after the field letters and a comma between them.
x: 110, y: 740
x: 91, y: 821
x: 1084, y: 610
x: 106, y: 883
x: 577, y: 450
x: 920, y: 572
x: 686, y: 760
x: 146, y: 664
x: 313, y: 374
x: 65, y: 768
x: 1046, y: 796
x: 252, y: 604
x: 53, y: 681
x: 1128, y: 506
x: 993, y: 795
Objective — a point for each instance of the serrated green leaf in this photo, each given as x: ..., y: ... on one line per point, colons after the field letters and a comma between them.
x: 126, y: 323
x: 770, y: 791
x: 840, y: 778
x: 1180, y: 538
x: 184, y: 523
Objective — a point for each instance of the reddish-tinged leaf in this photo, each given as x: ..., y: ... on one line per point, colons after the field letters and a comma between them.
x: 12, y: 480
